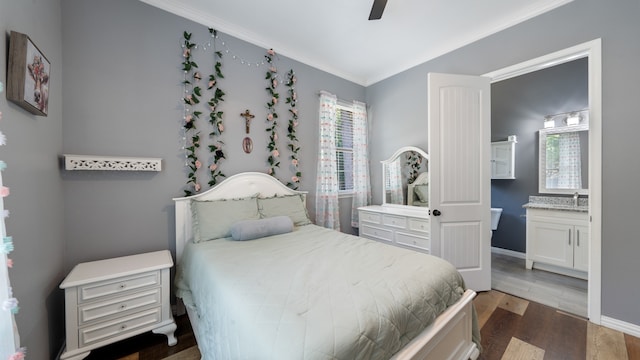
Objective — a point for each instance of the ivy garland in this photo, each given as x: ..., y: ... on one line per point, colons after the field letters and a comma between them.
x: 291, y: 130
x: 272, y: 115
x: 193, y: 98
x: 215, y: 116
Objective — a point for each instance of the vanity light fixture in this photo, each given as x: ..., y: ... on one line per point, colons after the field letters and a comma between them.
x: 573, y: 118
x: 549, y: 122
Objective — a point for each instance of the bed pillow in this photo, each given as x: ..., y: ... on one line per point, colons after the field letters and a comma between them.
x: 254, y: 229
x: 288, y: 205
x: 213, y: 219
x: 422, y: 191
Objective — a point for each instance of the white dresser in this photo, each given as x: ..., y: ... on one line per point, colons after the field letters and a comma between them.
x: 400, y: 226
x: 111, y: 300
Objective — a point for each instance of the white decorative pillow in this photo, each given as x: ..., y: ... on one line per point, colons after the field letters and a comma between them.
x: 254, y: 229
x: 288, y: 205
x: 422, y: 191
x: 213, y: 219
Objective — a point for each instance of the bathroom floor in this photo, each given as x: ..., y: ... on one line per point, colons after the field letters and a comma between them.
x: 509, y: 275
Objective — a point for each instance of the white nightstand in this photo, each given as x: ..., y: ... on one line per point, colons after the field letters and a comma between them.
x: 111, y: 300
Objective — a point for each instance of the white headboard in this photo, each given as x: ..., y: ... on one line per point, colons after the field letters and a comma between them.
x: 237, y: 186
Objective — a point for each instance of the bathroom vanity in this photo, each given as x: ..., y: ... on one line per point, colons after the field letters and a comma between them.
x: 558, y: 235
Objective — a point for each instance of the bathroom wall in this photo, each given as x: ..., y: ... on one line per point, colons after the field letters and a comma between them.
x: 518, y: 107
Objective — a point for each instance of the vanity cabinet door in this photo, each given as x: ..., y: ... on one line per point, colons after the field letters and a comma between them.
x: 550, y: 243
x: 581, y: 248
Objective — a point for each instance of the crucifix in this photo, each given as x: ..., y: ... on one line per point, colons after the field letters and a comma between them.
x: 247, y: 118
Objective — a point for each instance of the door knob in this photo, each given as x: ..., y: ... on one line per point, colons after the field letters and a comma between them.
x: 436, y: 212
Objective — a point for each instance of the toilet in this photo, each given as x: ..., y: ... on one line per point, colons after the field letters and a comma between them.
x: 495, y: 218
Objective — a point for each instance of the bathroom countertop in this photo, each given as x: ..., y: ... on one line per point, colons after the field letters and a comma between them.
x: 557, y: 203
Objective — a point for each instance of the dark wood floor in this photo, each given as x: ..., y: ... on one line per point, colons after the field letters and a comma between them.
x: 511, y: 328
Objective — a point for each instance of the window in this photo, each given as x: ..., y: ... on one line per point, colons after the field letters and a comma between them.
x: 344, y: 147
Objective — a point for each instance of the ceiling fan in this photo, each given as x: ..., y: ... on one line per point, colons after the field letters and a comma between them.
x: 377, y: 9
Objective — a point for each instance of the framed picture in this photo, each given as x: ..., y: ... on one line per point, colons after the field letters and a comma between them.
x: 28, y: 75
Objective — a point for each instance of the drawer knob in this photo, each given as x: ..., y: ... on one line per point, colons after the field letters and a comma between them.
x: 123, y: 327
x: 122, y: 286
x: 123, y: 306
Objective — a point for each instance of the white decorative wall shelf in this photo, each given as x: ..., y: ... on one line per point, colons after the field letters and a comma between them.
x: 111, y: 163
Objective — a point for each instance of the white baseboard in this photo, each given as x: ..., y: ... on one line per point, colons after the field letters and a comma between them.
x: 516, y: 254
x: 619, y: 325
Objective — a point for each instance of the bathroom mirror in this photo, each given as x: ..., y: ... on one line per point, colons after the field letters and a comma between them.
x: 405, y: 178
x: 563, y: 160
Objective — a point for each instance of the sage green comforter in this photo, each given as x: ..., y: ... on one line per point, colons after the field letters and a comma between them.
x: 313, y: 293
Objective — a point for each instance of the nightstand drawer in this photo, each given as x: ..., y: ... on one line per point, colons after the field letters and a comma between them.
x: 116, y: 286
x: 395, y: 221
x: 376, y: 233
x: 370, y: 217
x: 119, y: 305
x: 128, y: 324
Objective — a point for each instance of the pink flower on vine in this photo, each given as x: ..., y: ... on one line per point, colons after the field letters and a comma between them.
x: 213, y: 167
x: 294, y: 162
x: 295, y: 179
x: 270, y: 116
x: 294, y: 96
x: 220, y: 127
x: 275, y: 153
x: 9, y: 263
x: 197, y: 187
x: 275, y: 137
x: 189, y: 99
x: 271, y: 52
x: 294, y: 112
x: 197, y: 76
x: 270, y: 171
x: 294, y: 79
x: 273, y: 69
x: 295, y: 123
x: 198, y: 165
x: 275, y: 83
x: 188, y: 118
x: 275, y: 100
x: 212, y: 83
x: 4, y: 191
x: 186, y: 53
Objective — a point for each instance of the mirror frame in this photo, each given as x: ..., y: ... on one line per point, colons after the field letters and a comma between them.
x: 391, y: 159
x: 542, y: 156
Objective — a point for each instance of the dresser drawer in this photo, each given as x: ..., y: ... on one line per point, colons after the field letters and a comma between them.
x: 117, y: 286
x: 370, y: 217
x: 376, y: 233
x: 118, y: 327
x: 413, y: 241
x: 421, y: 225
x: 395, y: 221
x: 119, y: 305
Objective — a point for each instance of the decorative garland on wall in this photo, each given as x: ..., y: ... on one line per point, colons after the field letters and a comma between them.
x: 272, y: 115
x: 291, y: 130
x: 215, y: 116
x: 6, y: 247
x: 193, y: 97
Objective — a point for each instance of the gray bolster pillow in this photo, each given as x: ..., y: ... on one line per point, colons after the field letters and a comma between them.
x: 253, y: 229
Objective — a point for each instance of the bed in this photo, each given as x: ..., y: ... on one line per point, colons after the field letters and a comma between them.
x: 306, y: 292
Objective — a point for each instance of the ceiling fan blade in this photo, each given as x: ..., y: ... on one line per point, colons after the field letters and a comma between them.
x: 377, y: 9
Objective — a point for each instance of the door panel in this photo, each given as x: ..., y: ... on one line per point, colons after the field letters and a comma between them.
x: 459, y: 150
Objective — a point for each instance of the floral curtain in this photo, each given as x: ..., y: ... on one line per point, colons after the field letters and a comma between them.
x: 361, y: 180
x: 570, y: 171
x: 394, y: 187
x: 327, y: 213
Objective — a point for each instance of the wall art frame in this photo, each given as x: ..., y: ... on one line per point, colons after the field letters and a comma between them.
x: 28, y: 75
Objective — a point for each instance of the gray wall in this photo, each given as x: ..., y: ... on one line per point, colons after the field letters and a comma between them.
x: 36, y: 201
x: 518, y: 107
x: 123, y: 97
x: 400, y: 107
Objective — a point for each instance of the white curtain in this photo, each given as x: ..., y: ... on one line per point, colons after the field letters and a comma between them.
x: 327, y: 213
x: 570, y: 171
x: 395, y: 182
x: 361, y: 181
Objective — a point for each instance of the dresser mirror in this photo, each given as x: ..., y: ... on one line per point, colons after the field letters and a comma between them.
x: 563, y: 159
x: 405, y: 178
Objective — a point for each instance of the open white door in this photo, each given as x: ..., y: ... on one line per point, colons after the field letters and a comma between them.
x: 460, y: 194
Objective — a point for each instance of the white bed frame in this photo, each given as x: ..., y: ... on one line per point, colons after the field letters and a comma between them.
x: 449, y: 337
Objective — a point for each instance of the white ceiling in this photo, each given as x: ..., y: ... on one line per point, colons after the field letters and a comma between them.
x: 335, y: 35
